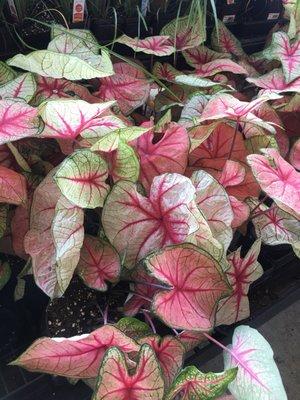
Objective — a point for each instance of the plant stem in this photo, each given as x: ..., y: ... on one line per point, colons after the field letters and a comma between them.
x: 155, y: 285
x: 260, y: 203
x: 233, y: 140
x: 149, y: 320
x: 216, y: 342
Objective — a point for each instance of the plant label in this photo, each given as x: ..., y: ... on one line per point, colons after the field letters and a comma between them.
x: 228, y: 18
x: 13, y: 10
x: 273, y: 16
x: 78, y: 10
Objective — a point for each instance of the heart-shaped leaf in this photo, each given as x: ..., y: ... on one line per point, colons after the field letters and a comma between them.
x: 58, y: 65
x: 195, y: 284
x: 123, y: 163
x: 274, y: 81
x: 12, y: 187
x: 287, y: 53
x: 185, y: 33
x: 273, y: 225
x: 195, y: 80
x: 50, y: 88
x: 17, y: 120
x: 165, y: 71
x: 240, y: 211
x: 23, y: 87
x: 163, y: 152
x: 116, y: 383
x: 241, y: 273
x: 232, y: 174
x: 157, y: 45
x: 278, y: 179
x: 143, y: 224
x: 169, y: 352
x: 194, y: 384
x: 66, y: 119
x: 216, y: 66
x: 193, y: 109
x: 258, y: 376
x: 213, y: 201
x: 99, y: 262
x: 191, y: 339
x: 224, y: 41
x: 68, y: 234
x: 81, y: 179
x: 200, y: 55
x: 75, y: 357
x: 39, y: 241
x: 128, y: 86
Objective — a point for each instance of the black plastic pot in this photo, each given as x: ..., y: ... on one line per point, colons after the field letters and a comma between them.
x: 258, y: 10
x: 230, y: 11
x: 105, y: 30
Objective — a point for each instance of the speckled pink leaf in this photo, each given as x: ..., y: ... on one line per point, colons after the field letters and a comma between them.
x: 157, y: 45
x: 200, y: 55
x: 165, y: 72
x: 143, y: 224
x: 241, y: 273
x: 216, y: 66
x: 232, y: 174
x: 17, y: 120
x: 169, y: 352
x: 278, y: 179
x: 74, y: 357
x: 295, y: 155
x: 99, y: 262
x: 274, y: 82
x: 194, y: 285
x: 12, y: 187
x: 191, y: 339
x: 287, y: 52
x: 117, y: 383
x: 162, y: 152
x: 224, y: 41
x: 128, y: 86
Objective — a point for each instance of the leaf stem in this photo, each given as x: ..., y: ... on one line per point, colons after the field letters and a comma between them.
x: 149, y: 320
x: 155, y: 285
x: 260, y: 203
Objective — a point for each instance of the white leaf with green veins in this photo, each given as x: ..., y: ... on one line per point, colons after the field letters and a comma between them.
x: 23, y: 87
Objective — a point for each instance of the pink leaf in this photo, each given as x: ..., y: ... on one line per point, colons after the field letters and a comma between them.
x: 224, y: 41
x: 191, y: 339
x: 17, y: 120
x: 241, y: 273
x: 128, y: 86
x: 75, y: 357
x: 295, y: 155
x: 50, y: 88
x: 161, y: 153
x: 274, y: 82
x: 66, y: 119
x: 157, y: 45
x: 287, y: 53
x: 240, y: 210
x: 169, y: 352
x: 194, y: 282
x: 116, y: 383
x: 99, y: 262
x: 217, y: 66
x: 12, y: 187
x: 144, y: 289
x: 200, y: 55
x: 165, y: 72
x: 143, y: 224
x: 278, y: 179
x: 233, y: 174
x: 39, y: 241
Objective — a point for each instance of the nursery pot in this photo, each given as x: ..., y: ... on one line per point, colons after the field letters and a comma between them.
x: 104, y: 30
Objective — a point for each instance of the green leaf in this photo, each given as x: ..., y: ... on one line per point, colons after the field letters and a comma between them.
x: 57, y: 65
x: 5, y: 273
x: 198, y: 385
x: 111, y: 141
x: 194, y: 80
x: 81, y: 179
x: 23, y: 87
x: 255, y: 143
x: 6, y: 73
x: 133, y: 327
x: 125, y: 163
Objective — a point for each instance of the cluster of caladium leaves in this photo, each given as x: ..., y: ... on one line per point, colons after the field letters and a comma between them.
x: 173, y: 164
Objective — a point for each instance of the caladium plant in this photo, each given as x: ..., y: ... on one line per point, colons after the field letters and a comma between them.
x: 137, y: 182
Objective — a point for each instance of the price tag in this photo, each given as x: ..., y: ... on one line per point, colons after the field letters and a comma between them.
x: 229, y: 2
x: 272, y: 16
x: 78, y: 10
x: 12, y: 9
x: 228, y: 18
